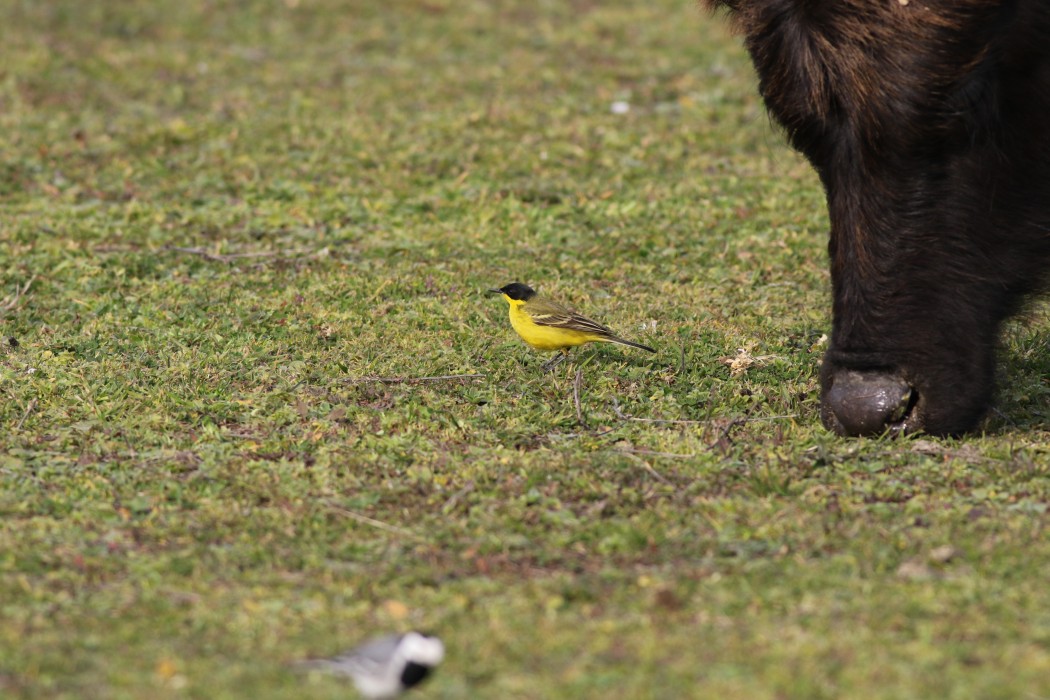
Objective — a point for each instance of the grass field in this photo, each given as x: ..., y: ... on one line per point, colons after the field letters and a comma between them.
x: 256, y: 407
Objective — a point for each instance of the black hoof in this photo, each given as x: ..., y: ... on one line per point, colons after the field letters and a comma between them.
x: 867, y: 403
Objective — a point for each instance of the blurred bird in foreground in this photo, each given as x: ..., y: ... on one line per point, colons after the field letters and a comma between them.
x: 548, y: 326
x: 384, y: 668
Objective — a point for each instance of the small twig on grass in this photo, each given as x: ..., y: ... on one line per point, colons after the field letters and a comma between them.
x: 1003, y: 417
x: 573, y: 436
x: 29, y: 408
x: 378, y: 291
x: 934, y: 449
x: 576, y: 398
x: 415, y: 380
x: 10, y: 304
x: 681, y: 421
x: 454, y: 498
x: 230, y: 257
x: 654, y: 453
x: 647, y: 467
x: 724, y: 437
x: 379, y: 524
x: 623, y: 416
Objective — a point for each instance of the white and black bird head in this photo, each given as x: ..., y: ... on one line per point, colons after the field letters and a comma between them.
x: 388, y: 666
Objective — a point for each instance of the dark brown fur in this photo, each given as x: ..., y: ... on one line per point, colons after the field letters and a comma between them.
x: 929, y: 125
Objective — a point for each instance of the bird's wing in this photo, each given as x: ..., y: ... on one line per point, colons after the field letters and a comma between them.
x: 369, y: 659
x: 548, y: 313
x: 377, y: 651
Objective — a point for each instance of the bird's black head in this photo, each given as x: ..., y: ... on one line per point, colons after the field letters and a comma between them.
x: 516, y: 291
x: 414, y: 674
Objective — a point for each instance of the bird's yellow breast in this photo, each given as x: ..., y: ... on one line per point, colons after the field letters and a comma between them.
x: 545, y: 338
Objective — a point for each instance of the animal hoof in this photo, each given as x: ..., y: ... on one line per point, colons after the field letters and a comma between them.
x: 867, y: 403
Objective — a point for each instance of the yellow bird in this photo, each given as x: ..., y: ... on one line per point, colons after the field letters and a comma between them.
x: 548, y: 326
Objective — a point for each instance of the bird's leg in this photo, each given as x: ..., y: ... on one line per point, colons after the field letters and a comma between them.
x: 555, y: 361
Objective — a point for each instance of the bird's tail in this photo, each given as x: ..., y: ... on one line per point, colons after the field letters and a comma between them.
x: 621, y: 341
x: 316, y: 664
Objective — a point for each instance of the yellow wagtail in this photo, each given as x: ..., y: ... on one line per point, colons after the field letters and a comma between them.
x: 548, y: 326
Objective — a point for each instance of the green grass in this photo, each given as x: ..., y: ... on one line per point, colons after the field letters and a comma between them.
x: 223, y: 222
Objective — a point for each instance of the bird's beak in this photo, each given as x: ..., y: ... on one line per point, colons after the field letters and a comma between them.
x: 494, y: 291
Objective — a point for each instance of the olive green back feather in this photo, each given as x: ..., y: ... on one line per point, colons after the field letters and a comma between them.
x: 545, y: 312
